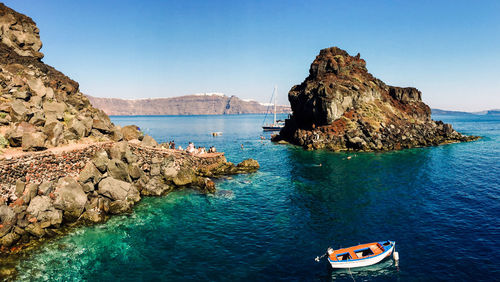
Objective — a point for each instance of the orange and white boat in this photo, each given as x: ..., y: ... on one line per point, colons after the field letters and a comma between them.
x: 361, y: 255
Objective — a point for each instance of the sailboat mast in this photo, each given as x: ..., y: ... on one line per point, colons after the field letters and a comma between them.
x: 275, y: 94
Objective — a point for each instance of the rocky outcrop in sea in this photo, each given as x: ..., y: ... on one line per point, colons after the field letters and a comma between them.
x: 341, y: 106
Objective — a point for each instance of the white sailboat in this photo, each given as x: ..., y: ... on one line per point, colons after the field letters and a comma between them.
x: 276, y: 125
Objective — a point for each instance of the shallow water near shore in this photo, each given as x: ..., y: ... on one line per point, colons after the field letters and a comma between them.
x: 440, y: 204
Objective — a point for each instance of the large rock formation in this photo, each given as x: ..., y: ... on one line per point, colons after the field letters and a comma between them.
x: 39, y: 106
x: 341, y: 106
x: 201, y: 104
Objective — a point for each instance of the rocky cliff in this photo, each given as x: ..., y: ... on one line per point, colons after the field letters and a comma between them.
x: 204, y: 104
x: 39, y: 106
x: 341, y: 106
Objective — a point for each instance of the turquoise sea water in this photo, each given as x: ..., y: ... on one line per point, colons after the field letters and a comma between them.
x: 441, y: 205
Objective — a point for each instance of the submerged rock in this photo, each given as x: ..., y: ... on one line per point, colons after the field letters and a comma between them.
x: 341, y: 106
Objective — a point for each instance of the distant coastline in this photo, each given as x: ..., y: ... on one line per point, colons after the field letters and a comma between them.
x: 197, y: 104
x: 493, y: 112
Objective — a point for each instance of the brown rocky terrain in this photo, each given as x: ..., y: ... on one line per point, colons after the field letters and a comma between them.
x: 204, y: 104
x: 341, y: 106
x: 62, y: 161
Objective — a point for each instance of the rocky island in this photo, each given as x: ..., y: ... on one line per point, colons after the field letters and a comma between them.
x: 341, y: 106
x: 62, y: 161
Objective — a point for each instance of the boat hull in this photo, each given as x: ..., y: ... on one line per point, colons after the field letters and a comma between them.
x: 272, y: 128
x: 361, y: 262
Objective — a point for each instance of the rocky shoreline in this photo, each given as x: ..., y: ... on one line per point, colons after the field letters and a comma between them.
x: 42, y: 194
x: 340, y: 106
x: 63, y: 162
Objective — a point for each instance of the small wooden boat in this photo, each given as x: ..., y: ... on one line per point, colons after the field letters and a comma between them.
x: 360, y: 255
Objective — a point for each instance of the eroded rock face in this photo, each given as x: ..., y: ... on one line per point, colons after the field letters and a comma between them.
x: 34, y: 92
x: 341, y: 106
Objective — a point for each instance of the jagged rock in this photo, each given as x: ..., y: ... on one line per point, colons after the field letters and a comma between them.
x: 30, y: 192
x: 36, y: 84
x: 38, y: 118
x: 101, y: 160
x: 43, y: 209
x: 94, y: 216
x: 149, y: 141
x: 90, y: 174
x: 9, y: 239
x: 18, y: 111
x: 19, y: 33
x: 45, y: 188
x: 119, y: 206
x: 15, y: 134
x: 184, y: 177
x: 134, y: 171
x: 35, y: 229
x: 53, y: 131
x: 34, y: 141
x: 7, y: 219
x: 155, y: 187
x: 131, y: 132
x: 102, y: 122
x: 117, y: 190
x: 118, y: 170
x: 341, y: 106
x: 77, y: 127
x: 70, y: 198
x: 22, y: 95
x: 248, y: 165
x: 116, y: 134
x: 54, y: 111
x: 119, y: 150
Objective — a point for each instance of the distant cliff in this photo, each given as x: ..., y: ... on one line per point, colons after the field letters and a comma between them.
x: 341, y: 106
x: 199, y: 104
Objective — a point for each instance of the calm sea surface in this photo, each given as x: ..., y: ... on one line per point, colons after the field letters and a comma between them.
x: 441, y: 205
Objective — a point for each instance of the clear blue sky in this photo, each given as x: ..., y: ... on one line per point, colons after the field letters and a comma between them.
x: 450, y: 50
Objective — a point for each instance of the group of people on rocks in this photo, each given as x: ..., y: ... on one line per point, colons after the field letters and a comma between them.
x: 191, y: 149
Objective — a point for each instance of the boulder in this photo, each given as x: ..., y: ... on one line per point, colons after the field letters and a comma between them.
x: 22, y: 95
x: 77, y: 127
x: 115, y: 189
x: 38, y: 118
x: 134, y: 171
x: 34, y: 141
x: 118, y: 207
x: 131, y: 132
x: 116, y: 134
x: 43, y: 209
x: 149, y: 141
x: 7, y: 219
x: 54, y: 131
x: 90, y: 174
x: 54, y: 110
x: 35, y: 229
x: 9, y: 239
x: 70, y: 198
x: 100, y: 160
x: 18, y: 111
x: 156, y: 187
x: 101, y: 122
x: 36, y: 85
x: 248, y: 165
x: 94, y: 216
x: 118, y: 170
x: 45, y: 188
x: 15, y: 134
x: 119, y: 150
x: 184, y: 176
